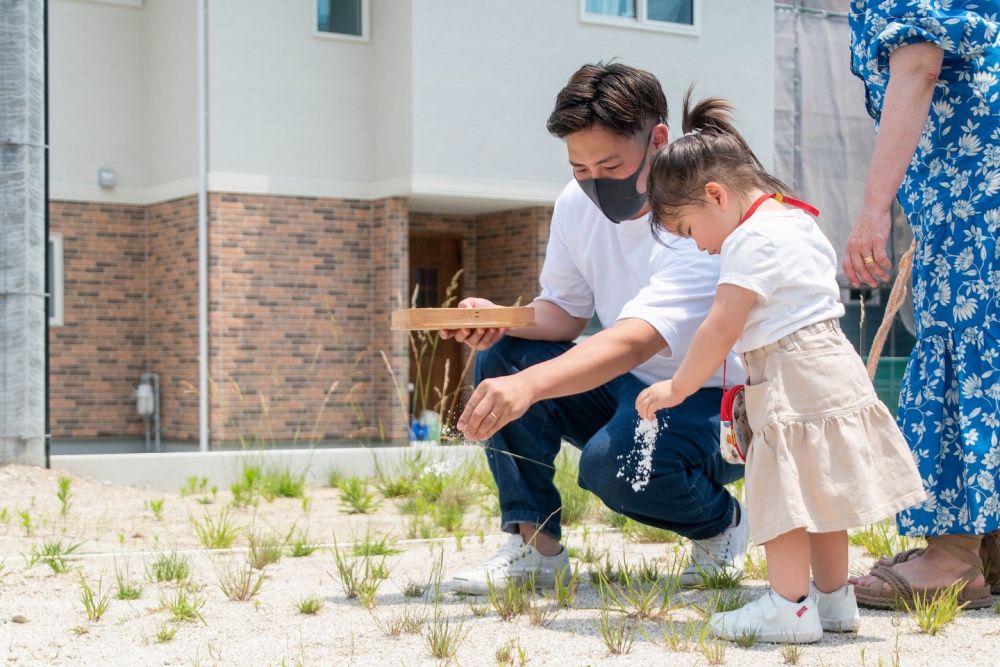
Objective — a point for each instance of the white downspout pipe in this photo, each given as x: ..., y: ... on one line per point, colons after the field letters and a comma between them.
x: 202, y: 96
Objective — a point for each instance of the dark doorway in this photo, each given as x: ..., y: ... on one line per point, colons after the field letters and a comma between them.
x: 434, y: 263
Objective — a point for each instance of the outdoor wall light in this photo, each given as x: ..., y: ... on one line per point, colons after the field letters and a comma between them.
x: 107, y: 178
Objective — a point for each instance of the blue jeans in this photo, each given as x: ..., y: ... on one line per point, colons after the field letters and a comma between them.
x: 685, y: 491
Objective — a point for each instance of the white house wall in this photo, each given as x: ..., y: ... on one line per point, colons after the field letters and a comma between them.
x: 446, y: 101
x: 485, y: 81
x: 171, y: 89
x: 290, y: 112
x: 98, y: 68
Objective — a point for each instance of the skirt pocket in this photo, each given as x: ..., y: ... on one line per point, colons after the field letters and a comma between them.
x: 758, y: 404
x: 821, y: 383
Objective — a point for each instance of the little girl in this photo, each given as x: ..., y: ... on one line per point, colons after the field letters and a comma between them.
x: 826, y: 455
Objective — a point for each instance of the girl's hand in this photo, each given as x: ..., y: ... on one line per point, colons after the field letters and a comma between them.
x: 866, y: 259
x: 656, y: 397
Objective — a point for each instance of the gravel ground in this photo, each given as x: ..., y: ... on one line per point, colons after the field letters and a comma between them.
x: 42, y: 619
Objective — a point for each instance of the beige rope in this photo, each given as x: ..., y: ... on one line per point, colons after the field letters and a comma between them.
x: 896, y: 298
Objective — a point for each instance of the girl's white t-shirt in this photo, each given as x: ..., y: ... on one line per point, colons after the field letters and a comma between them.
x: 785, y: 258
x: 621, y: 271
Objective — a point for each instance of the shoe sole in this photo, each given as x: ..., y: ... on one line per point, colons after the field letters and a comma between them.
x: 799, y: 637
x: 466, y: 587
x: 790, y: 637
x: 843, y: 625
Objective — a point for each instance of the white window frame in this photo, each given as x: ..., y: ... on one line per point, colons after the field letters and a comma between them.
x: 137, y: 4
x: 56, y: 288
x: 339, y: 36
x: 642, y: 22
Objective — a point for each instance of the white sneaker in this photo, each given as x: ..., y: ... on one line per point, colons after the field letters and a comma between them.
x: 771, y: 618
x: 516, y: 561
x: 838, y: 611
x: 725, y: 552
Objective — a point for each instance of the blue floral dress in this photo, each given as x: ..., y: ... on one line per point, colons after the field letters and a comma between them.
x: 949, y: 406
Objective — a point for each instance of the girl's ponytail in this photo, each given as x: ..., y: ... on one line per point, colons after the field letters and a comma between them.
x: 711, y: 149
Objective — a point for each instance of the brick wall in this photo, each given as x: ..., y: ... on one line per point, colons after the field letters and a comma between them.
x: 172, y: 313
x: 389, y: 286
x: 97, y: 355
x: 291, y: 284
x: 300, y: 293
x: 510, y: 249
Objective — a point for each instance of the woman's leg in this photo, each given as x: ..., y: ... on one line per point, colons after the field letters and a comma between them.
x: 829, y: 560
x: 788, y: 557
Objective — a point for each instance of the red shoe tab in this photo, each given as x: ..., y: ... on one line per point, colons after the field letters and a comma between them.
x: 803, y: 609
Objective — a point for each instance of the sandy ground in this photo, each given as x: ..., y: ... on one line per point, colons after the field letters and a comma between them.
x: 42, y: 620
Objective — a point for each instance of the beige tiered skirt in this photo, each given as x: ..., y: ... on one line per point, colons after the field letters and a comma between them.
x: 826, y: 454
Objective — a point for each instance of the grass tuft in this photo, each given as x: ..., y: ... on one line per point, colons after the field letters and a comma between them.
x: 511, y: 654
x: 169, y: 567
x: 216, y: 533
x: 444, y: 636
x: 310, y: 605
x: 183, y: 605
x: 239, y: 583
x: 576, y: 501
x: 299, y: 544
x: 52, y: 553
x: 618, y: 634
x: 264, y: 550
x: 355, y: 497
x: 881, y: 539
x: 64, y: 494
x: 165, y: 633
x: 512, y: 600
x: 791, y: 653
x: 126, y: 588
x: 932, y: 613
x: 408, y: 621
x: 95, y: 602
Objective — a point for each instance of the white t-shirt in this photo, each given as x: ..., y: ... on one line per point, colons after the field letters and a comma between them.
x: 621, y: 271
x: 785, y: 258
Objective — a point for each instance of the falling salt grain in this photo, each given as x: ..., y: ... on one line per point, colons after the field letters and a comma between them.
x: 640, y: 459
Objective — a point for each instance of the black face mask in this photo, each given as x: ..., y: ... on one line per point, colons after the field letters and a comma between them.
x: 618, y: 198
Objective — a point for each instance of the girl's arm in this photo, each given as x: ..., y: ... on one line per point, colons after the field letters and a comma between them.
x: 913, y: 73
x: 712, y: 342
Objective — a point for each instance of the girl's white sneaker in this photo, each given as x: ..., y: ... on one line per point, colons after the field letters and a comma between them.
x: 838, y: 611
x: 771, y: 618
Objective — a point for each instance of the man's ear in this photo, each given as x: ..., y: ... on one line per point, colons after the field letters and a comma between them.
x: 661, y: 134
x: 717, y: 193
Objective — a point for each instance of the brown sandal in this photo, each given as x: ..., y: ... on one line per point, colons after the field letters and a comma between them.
x: 903, y: 593
x: 989, y: 552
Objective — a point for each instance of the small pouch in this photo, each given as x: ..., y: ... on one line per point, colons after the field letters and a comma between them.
x: 734, y: 429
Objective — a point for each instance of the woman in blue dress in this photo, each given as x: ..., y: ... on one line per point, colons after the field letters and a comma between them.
x: 931, y: 70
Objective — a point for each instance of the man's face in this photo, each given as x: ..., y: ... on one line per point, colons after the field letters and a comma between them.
x: 600, y: 153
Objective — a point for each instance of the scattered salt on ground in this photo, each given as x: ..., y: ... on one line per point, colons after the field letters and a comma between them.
x: 640, y: 459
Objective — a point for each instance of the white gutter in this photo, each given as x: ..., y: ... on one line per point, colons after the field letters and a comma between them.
x: 202, y: 229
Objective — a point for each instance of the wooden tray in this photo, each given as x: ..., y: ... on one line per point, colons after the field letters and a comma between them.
x: 427, y: 319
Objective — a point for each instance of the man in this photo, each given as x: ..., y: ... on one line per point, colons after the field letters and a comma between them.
x: 535, y: 389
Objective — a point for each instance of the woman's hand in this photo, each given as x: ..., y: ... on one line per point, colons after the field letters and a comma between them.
x: 866, y: 259
x: 477, y: 339
x: 656, y: 397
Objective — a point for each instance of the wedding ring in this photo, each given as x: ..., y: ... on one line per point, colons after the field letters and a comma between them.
x: 869, y: 259
x: 494, y: 415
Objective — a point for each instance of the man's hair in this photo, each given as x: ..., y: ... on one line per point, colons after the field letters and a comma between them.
x: 612, y: 96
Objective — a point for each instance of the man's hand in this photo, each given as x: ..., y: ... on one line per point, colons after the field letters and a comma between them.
x: 656, y: 397
x: 477, y: 339
x: 494, y: 404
